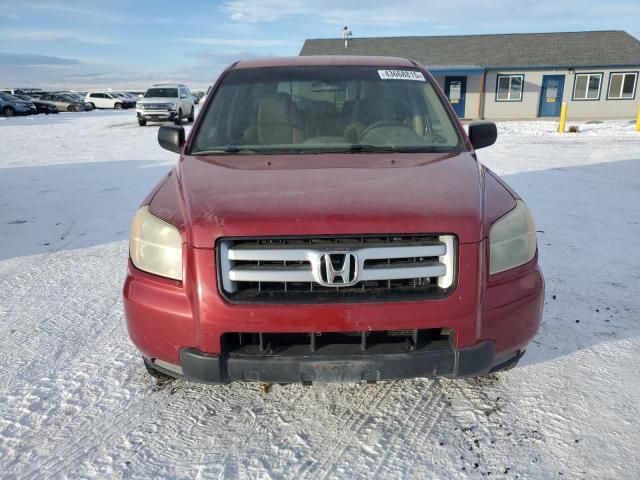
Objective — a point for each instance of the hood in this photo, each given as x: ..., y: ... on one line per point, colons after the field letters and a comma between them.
x: 264, y: 195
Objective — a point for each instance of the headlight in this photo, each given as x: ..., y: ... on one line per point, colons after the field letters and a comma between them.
x: 155, y: 246
x: 512, y: 240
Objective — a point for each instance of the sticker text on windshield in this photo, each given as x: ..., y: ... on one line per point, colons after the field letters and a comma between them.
x: 401, y: 75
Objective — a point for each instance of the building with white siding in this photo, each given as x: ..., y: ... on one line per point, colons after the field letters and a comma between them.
x: 518, y: 76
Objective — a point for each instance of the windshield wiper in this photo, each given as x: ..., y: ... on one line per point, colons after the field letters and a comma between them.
x: 237, y: 149
x: 228, y: 149
x: 365, y: 147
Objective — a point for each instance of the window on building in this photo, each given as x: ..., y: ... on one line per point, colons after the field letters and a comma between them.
x: 587, y: 86
x: 622, y: 85
x: 509, y: 88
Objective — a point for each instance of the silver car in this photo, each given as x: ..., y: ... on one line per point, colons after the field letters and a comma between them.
x: 65, y: 102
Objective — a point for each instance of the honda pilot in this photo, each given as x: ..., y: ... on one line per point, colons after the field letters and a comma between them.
x: 328, y: 220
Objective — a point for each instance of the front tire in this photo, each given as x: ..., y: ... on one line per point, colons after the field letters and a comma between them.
x: 93, y: 106
x: 192, y: 116
x: 118, y: 106
x: 71, y: 108
x: 142, y: 122
x: 9, y: 112
x: 178, y: 120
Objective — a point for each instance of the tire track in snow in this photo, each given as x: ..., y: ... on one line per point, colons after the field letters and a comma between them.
x: 353, y: 425
x: 93, y: 434
x: 413, y: 422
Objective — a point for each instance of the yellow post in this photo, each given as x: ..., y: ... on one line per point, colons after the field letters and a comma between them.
x: 638, y: 120
x: 563, y: 118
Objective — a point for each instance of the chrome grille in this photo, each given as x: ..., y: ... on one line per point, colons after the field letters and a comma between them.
x: 336, y: 269
x: 155, y: 106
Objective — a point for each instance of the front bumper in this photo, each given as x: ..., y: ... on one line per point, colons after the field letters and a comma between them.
x: 182, y: 323
x: 156, y: 115
x: 201, y: 367
x: 26, y: 111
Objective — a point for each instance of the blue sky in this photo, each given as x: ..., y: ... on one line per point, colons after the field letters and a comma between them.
x: 131, y: 43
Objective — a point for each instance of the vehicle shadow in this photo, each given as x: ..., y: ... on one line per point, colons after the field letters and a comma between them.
x: 62, y: 207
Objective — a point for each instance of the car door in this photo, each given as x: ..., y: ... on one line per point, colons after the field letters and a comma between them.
x: 97, y: 100
x: 110, y: 100
x: 181, y: 102
x: 60, y: 102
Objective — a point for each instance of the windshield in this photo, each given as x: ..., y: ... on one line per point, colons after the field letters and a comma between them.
x: 162, y: 92
x: 70, y: 98
x: 325, y: 109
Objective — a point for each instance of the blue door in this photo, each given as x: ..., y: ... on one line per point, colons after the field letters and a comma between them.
x: 551, y: 96
x: 455, y: 88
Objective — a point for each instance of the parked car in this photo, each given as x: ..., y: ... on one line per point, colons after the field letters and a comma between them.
x: 65, y: 102
x: 41, y: 105
x: 12, y: 106
x: 130, y: 99
x: 196, y: 97
x: 23, y: 91
x: 328, y: 220
x: 104, y: 99
x: 80, y: 96
x: 164, y: 102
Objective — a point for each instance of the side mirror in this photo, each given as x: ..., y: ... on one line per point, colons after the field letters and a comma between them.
x: 171, y: 137
x: 482, y: 134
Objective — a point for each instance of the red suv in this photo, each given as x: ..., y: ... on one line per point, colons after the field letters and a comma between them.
x: 328, y: 220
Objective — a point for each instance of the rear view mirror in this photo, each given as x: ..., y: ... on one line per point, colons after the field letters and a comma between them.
x: 171, y: 137
x: 327, y: 87
x: 482, y: 134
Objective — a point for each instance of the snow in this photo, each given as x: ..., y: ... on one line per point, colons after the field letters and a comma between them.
x: 75, y: 401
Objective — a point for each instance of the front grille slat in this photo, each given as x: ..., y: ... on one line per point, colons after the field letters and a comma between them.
x: 294, y: 270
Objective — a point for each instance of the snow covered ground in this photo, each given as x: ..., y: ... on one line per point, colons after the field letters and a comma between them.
x: 75, y: 401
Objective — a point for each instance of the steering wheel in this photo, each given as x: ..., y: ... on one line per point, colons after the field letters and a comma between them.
x: 381, y: 124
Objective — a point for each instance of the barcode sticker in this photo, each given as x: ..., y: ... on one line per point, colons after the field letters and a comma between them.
x: 401, y: 75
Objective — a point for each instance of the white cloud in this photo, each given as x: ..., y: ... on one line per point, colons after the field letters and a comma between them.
x: 465, y: 15
x: 33, y: 60
x: 237, y: 42
x: 46, y: 36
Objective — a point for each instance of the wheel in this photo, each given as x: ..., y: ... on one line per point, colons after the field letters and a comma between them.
x: 118, y: 106
x: 192, y: 116
x: 142, y: 122
x: 71, y: 108
x: 9, y: 112
x: 93, y: 106
x: 178, y: 120
x: 155, y: 373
